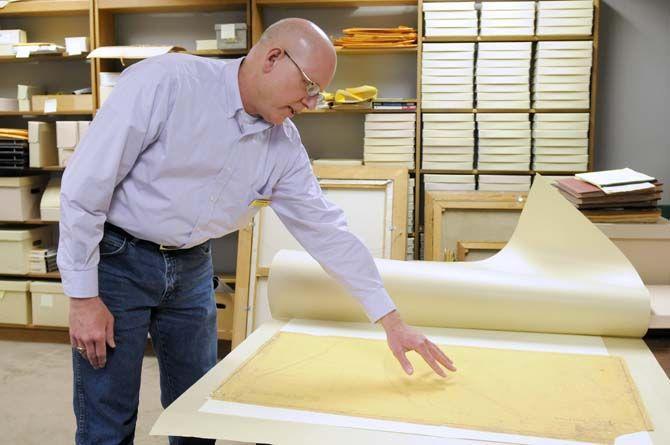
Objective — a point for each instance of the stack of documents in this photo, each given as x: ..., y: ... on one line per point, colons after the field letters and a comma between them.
x: 9, y: 38
x: 571, y: 17
x: 504, y: 141
x: 400, y: 36
x: 389, y: 139
x: 560, y: 142
x: 410, y: 204
x: 617, y: 196
x: 449, y: 182
x: 562, y: 74
x: 43, y: 261
x: 409, y: 256
x: 503, y: 75
x: 506, y: 183
x: 509, y: 18
x: 450, y: 19
x: 447, y: 79
x: 448, y: 141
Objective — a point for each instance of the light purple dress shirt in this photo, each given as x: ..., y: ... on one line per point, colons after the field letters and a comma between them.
x: 173, y: 158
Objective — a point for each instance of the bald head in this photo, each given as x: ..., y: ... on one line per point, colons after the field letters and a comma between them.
x: 271, y: 83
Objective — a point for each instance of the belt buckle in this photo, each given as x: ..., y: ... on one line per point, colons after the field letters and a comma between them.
x: 167, y: 248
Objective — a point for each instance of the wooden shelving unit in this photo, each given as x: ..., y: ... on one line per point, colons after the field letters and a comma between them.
x: 376, y: 51
x: 43, y: 58
x: 40, y: 276
x: 41, y: 113
x: 138, y: 6
x: 46, y: 8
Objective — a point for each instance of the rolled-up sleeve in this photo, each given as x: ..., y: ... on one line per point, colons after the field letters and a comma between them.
x: 321, y: 228
x: 129, y: 121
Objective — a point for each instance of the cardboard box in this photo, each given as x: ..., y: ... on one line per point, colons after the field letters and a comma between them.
x: 76, y: 45
x: 64, y: 102
x: 12, y: 36
x: 50, y: 305
x: 16, y: 244
x: 20, y: 197
x: 42, y: 141
x: 231, y: 36
x: 50, y: 203
x: 647, y: 247
x: 107, y: 82
x: 9, y: 104
x: 67, y: 138
x: 15, y: 302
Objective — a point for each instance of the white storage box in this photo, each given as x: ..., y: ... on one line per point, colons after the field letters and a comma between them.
x: 42, y: 141
x: 647, y: 246
x: 107, y: 82
x: 231, y: 36
x: 12, y: 36
x: 76, y: 45
x: 50, y: 204
x: 14, y: 302
x: 16, y: 244
x: 51, y: 307
x: 20, y: 197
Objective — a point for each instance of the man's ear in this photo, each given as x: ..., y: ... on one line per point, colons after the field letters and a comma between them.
x: 271, y: 59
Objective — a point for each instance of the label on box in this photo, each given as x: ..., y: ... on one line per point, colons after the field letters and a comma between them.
x: 22, y: 52
x: 47, y: 300
x: 50, y: 105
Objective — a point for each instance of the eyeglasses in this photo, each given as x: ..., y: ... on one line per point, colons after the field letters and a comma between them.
x: 312, y: 88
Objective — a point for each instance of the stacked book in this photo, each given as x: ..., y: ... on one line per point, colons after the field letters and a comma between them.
x: 571, y: 17
x: 447, y: 78
x: 505, y: 183
x: 450, y: 19
x: 503, y: 75
x: 504, y: 141
x: 614, y: 196
x: 448, y: 141
x: 435, y: 183
x: 43, y: 261
x: 509, y: 18
x: 562, y: 74
x: 389, y: 139
x: 410, y: 204
x: 560, y: 142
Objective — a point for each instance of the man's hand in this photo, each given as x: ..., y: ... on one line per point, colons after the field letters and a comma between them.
x: 91, y: 329
x: 401, y: 339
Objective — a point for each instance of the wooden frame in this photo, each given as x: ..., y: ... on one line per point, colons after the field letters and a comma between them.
x: 465, y: 247
x: 249, y: 269
x: 439, y: 202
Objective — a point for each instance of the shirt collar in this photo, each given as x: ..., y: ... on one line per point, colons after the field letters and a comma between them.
x: 234, y: 106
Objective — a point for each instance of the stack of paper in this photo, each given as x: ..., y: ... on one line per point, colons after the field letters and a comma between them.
x: 448, y: 141
x: 10, y: 37
x: 509, y: 18
x: 43, y: 261
x: 571, y: 17
x: 503, y: 75
x: 409, y: 256
x: 449, y: 182
x: 562, y: 74
x: 389, y: 139
x: 616, y: 196
x: 507, y: 183
x: 447, y: 75
x: 450, y: 18
x: 410, y: 204
x: 377, y: 37
x: 560, y: 142
x: 504, y: 141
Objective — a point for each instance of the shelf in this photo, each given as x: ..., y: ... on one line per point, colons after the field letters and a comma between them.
x: 137, y: 6
x: 361, y: 110
x: 43, y: 58
x: 30, y: 222
x: 46, y: 7
x: 50, y: 275
x: 504, y: 110
x: 334, y: 3
x: 493, y: 172
x: 41, y: 113
x: 217, y: 52
x: 448, y: 39
x: 52, y: 168
x: 380, y: 50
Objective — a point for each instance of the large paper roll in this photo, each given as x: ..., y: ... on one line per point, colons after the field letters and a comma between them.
x: 557, y: 274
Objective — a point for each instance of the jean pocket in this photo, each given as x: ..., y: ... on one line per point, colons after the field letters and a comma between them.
x: 112, y: 244
x: 205, y: 248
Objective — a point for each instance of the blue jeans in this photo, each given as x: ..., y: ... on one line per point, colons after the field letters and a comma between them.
x: 168, y: 294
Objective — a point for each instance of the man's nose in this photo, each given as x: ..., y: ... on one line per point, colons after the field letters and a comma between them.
x: 310, y: 102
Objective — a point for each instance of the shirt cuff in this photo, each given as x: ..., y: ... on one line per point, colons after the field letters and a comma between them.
x: 377, y: 304
x: 80, y: 283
